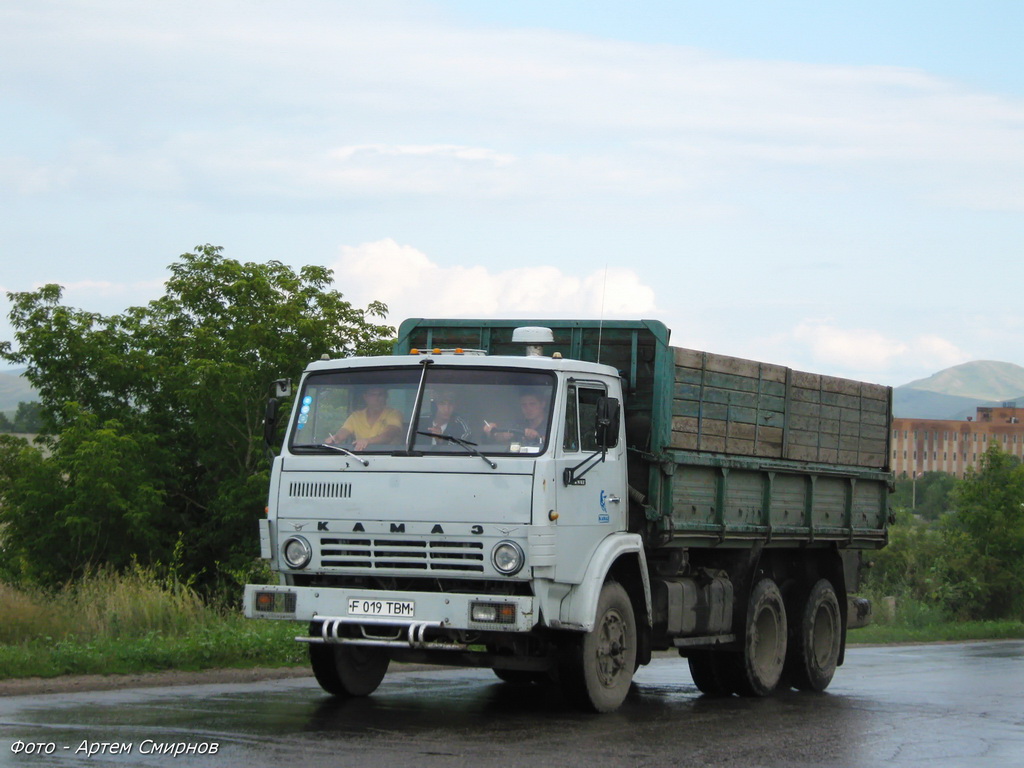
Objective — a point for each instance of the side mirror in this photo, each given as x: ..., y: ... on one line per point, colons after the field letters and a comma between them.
x: 607, y: 425
x: 283, y: 388
x: 270, y: 420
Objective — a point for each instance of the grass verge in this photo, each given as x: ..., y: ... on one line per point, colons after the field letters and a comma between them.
x: 138, y: 622
x: 132, y: 622
x: 905, y: 619
x: 235, y: 642
x: 937, y: 633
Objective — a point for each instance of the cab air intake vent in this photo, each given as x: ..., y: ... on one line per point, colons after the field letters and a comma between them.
x: 320, y: 490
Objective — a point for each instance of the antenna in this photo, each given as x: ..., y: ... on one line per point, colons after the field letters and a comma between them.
x: 600, y: 322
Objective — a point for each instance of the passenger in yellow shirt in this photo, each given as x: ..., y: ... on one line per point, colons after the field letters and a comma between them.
x: 372, y: 425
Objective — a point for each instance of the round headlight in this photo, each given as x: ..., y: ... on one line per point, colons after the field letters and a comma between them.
x: 508, y: 557
x: 297, y: 552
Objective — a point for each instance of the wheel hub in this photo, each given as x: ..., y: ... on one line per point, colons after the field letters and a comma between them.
x: 611, y: 649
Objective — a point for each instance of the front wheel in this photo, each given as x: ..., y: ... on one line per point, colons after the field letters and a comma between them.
x: 598, y: 668
x: 348, y: 670
x: 522, y: 676
x: 713, y: 672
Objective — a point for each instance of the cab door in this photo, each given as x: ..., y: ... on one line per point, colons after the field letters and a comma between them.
x: 593, y: 504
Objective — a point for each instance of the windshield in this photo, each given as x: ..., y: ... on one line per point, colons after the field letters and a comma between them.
x: 494, y: 411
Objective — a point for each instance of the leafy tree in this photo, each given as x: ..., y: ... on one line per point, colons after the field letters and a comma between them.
x: 168, y: 400
x: 93, y: 500
x: 990, y: 524
x: 28, y: 418
x: 927, y: 496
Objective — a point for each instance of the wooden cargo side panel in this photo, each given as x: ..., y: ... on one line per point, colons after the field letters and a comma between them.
x: 870, y: 506
x: 723, y: 503
x: 725, y: 404
x: 694, y: 497
x: 743, y: 407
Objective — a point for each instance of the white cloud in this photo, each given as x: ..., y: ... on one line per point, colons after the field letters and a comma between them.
x: 424, y: 150
x: 344, y: 98
x: 269, y: 128
x: 25, y: 177
x: 412, y: 285
x: 872, y: 352
x: 86, y: 292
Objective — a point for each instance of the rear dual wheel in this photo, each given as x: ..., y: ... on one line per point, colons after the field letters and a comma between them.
x: 757, y: 669
x: 814, y: 652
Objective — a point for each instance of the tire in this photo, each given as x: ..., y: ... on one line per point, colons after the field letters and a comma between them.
x: 814, y: 652
x: 597, y: 668
x: 712, y: 672
x: 522, y: 676
x: 764, y: 642
x: 348, y: 671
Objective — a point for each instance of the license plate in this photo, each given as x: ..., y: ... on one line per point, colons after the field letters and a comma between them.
x: 358, y: 606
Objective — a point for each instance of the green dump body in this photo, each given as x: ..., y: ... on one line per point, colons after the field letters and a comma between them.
x: 725, y: 452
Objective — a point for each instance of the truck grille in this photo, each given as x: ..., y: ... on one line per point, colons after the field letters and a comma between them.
x: 402, y: 554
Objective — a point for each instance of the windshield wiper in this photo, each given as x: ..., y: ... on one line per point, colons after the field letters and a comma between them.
x: 347, y: 452
x: 470, y: 447
x: 338, y: 448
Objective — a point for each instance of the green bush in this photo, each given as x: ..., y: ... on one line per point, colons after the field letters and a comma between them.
x: 969, y: 564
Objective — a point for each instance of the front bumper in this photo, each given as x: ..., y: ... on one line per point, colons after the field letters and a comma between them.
x: 436, y: 611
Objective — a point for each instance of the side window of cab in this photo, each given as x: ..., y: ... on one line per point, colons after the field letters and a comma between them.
x: 581, y: 409
x: 571, y: 438
x: 588, y: 398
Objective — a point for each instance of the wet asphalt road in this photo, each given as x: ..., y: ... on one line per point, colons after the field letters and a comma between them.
x: 940, y: 706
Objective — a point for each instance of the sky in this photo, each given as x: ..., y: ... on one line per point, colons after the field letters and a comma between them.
x: 836, y: 187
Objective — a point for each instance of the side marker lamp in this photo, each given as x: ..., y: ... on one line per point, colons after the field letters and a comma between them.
x: 274, y: 602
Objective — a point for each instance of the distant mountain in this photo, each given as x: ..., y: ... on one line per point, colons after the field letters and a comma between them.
x: 956, y: 393
x: 14, y: 389
x: 982, y: 380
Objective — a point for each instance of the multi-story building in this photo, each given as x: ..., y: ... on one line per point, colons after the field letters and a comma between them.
x: 952, y: 446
